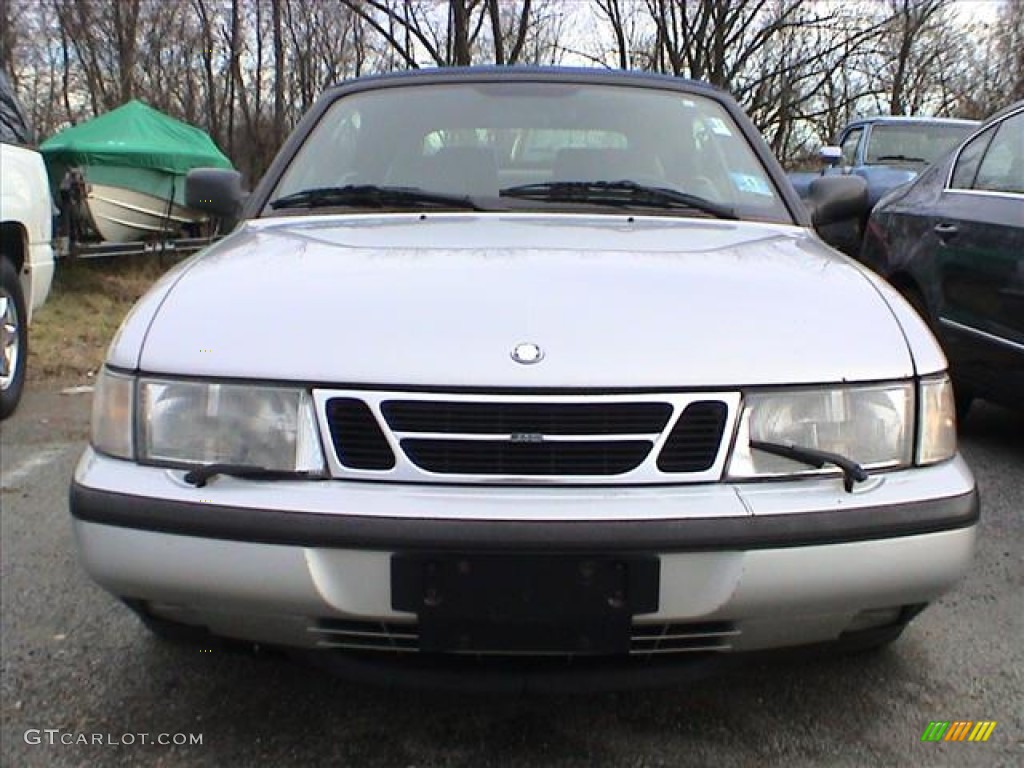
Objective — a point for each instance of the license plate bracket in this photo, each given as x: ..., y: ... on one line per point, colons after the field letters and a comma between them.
x: 539, y: 603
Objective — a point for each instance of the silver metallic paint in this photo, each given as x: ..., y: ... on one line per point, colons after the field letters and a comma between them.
x: 272, y: 593
x: 371, y: 299
x: 528, y: 503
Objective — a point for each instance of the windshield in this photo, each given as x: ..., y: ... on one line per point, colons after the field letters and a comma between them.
x: 916, y: 143
x: 478, y: 139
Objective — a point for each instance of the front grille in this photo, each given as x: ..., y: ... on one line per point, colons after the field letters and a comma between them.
x: 526, y: 418
x: 490, y: 457
x: 583, y: 438
x: 403, y: 637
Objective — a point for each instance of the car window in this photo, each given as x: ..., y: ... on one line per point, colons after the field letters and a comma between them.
x: 479, y: 138
x: 1002, y: 167
x: 966, y: 168
x: 337, y: 141
x: 849, y: 146
x: 913, y: 143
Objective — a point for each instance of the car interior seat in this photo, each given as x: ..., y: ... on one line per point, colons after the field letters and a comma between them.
x: 452, y: 170
x: 587, y: 164
x: 1015, y: 176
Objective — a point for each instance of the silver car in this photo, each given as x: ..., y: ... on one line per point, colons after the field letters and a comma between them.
x: 527, y: 371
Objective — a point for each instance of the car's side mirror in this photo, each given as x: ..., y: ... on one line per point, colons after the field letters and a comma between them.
x: 216, y: 191
x: 830, y: 156
x: 837, y: 198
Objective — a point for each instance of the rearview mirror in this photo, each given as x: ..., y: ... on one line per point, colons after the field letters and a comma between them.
x: 837, y: 198
x: 831, y: 156
x: 216, y: 191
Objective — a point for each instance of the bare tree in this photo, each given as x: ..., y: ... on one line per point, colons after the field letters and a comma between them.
x: 1011, y: 45
x: 916, y: 40
x: 458, y: 32
x: 8, y: 40
x: 631, y: 49
x: 508, y: 34
x: 213, y: 74
x: 246, y: 70
x: 124, y: 20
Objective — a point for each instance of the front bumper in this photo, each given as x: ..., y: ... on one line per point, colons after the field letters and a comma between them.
x: 41, y: 259
x: 756, y: 566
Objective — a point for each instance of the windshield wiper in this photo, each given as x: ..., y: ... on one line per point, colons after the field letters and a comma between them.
x: 900, y: 158
x: 373, y: 196
x: 852, y: 471
x: 622, y: 193
x: 198, y: 476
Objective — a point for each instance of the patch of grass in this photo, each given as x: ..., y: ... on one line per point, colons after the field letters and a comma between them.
x: 70, y: 333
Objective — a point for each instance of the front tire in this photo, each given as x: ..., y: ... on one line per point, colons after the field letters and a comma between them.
x: 13, y: 338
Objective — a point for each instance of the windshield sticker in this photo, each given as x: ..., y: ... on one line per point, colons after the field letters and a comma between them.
x: 718, y: 127
x: 754, y: 185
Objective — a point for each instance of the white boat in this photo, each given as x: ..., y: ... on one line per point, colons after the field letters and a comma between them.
x: 120, y: 177
x: 122, y: 215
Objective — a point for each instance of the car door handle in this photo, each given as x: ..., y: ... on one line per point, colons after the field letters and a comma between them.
x: 945, y: 231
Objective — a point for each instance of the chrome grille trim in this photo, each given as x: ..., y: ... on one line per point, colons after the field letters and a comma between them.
x: 644, y: 472
x: 687, y: 649
x: 403, y: 638
x: 366, y: 635
x: 682, y: 638
x: 482, y: 438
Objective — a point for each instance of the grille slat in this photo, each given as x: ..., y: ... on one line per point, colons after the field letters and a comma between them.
x: 695, y: 439
x: 366, y: 635
x: 503, y: 418
x: 505, y: 458
x: 358, y: 439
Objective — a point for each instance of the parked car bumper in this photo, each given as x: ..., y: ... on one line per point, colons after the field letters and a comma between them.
x: 40, y: 257
x: 290, y: 562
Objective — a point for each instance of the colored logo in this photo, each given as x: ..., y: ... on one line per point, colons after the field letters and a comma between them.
x: 958, y: 730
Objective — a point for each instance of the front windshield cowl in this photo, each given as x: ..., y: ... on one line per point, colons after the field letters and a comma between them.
x: 623, y: 193
x: 372, y: 196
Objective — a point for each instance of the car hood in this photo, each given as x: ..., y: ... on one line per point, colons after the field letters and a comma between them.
x: 442, y: 300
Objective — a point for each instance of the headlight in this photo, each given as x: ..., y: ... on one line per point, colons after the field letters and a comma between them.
x: 112, y: 409
x: 188, y: 422
x: 872, y: 425
x: 937, y: 418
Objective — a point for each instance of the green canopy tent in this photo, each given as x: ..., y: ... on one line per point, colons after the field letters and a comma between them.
x: 133, y: 147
